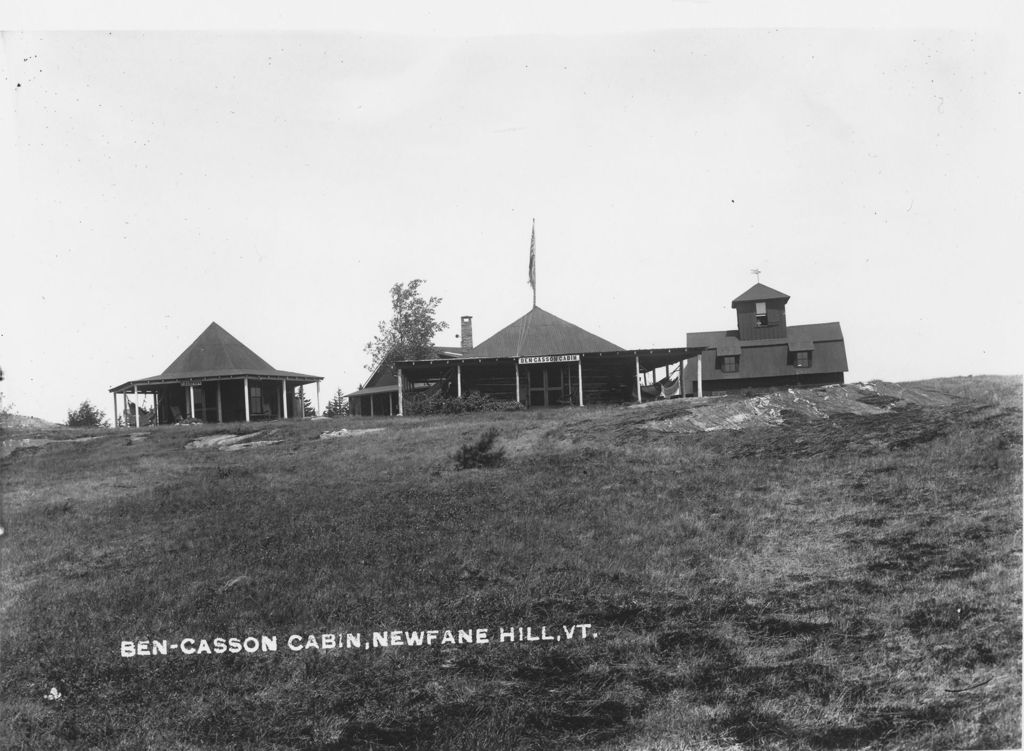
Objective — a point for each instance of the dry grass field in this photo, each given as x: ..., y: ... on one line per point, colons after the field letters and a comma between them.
x: 800, y: 583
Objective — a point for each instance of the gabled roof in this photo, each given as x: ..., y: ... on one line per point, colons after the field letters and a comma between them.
x: 759, y: 293
x: 541, y: 333
x: 383, y: 377
x: 796, y: 335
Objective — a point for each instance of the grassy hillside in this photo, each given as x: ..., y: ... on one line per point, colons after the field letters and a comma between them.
x: 824, y: 583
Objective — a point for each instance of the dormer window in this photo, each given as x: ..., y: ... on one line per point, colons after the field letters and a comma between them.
x: 760, y: 314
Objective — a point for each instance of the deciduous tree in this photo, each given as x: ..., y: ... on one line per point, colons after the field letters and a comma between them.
x: 409, y: 333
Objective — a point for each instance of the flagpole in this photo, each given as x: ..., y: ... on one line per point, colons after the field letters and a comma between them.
x: 533, y: 260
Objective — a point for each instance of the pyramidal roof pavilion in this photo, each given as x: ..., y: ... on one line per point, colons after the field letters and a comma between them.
x: 217, y: 378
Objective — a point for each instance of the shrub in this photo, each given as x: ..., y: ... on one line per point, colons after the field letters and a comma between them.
x: 482, y: 453
x: 473, y: 401
x: 87, y: 416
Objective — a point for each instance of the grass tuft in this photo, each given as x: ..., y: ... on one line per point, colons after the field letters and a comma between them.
x: 480, y: 453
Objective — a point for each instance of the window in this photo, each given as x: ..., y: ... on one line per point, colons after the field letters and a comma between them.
x: 760, y: 314
x: 802, y: 359
x: 255, y: 398
x: 730, y: 363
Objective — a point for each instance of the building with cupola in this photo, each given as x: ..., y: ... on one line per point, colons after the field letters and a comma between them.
x: 765, y: 352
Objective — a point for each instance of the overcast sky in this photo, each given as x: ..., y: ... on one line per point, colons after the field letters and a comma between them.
x: 279, y: 183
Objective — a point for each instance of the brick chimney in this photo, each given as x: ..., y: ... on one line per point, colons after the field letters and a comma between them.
x: 467, y: 333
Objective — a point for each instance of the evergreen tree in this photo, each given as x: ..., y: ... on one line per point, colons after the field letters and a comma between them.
x: 337, y: 406
x: 307, y: 405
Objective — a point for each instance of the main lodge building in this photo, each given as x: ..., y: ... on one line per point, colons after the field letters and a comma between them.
x: 539, y: 360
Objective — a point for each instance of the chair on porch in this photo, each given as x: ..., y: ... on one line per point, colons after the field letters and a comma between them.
x: 263, y: 414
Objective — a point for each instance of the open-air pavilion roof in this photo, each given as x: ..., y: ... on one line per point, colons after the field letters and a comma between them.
x: 217, y: 355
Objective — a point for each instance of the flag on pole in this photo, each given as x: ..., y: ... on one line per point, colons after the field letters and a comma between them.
x: 533, y: 262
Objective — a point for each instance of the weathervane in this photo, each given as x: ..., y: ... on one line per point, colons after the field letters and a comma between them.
x: 757, y: 273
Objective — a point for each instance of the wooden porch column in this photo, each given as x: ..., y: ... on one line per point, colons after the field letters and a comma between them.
x: 192, y: 402
x: 156, y: 406
x: 700, y: 374
x: 138, y: 422
x: 639, y: 395
x: 117, y: 420
x: 391, y: 404
x: 458, y: 378
x: 220, y: 409
x: 401, y: 388
x: 284, y: 399
x: 318, y: 398
x: 245, y: 391
x: 579, y: 371
x: 371, y: 405
x: 517, y: 382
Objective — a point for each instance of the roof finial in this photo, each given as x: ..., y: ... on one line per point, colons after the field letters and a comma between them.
x: 756, y: 273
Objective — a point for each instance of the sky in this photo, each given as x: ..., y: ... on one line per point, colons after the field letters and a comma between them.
x: 279, y: 182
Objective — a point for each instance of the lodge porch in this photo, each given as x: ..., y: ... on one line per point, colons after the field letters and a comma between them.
x: 549, y: 381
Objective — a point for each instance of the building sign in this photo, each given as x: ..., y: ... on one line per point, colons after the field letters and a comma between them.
x: 192, y: 382
x: 548, y: 358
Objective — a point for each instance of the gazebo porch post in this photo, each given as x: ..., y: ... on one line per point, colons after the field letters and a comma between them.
x: 192, y: 401
x: 400, y: 395
x: 138, y: 421
x: 639, y: 394
x: 116, y: 421
x: 579, y: 371
x: 245, y: 392
x: 220, y: 409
